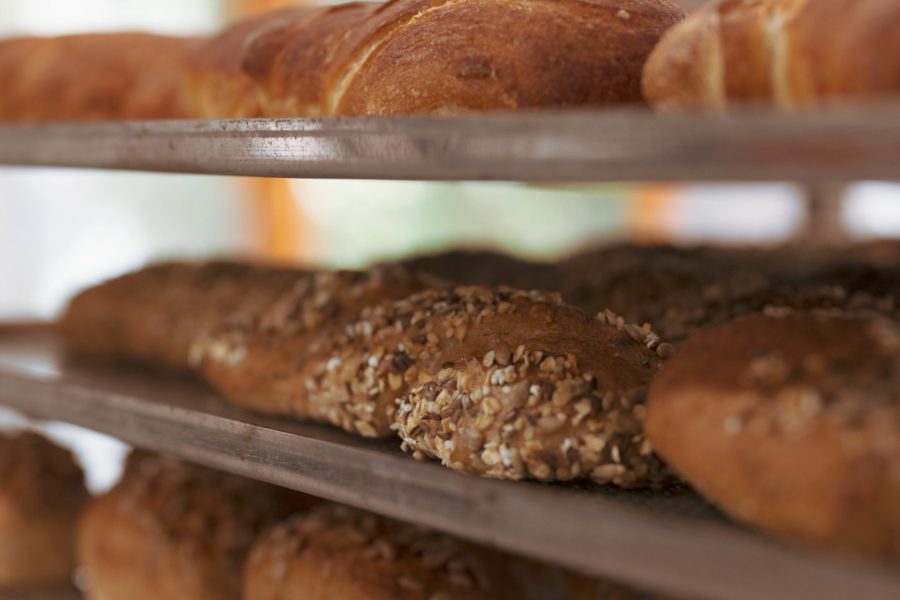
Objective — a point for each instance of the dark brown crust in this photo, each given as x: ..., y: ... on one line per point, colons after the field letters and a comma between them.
x: 171, y: 530
x: 92, y: 77
x: 482, y: 267
x: 791, y: 424
x: 41, y: 494
x: 338, y: 553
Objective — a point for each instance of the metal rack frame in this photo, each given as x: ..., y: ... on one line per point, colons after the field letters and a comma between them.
x: 622, y: 145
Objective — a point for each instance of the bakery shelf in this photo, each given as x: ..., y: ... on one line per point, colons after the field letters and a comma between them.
x: 863, y: 143
x: 671, y: 542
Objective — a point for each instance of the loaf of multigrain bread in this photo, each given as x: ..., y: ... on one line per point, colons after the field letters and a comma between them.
x: 173, y: 530
x: 492, y: 381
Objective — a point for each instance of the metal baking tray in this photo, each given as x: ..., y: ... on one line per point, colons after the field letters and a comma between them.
x: 671, y: 542
x: 611, y: 145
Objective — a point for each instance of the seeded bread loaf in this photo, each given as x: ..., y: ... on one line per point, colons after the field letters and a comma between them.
x: 426, y: 56
x: 172, y: 530
x: 790, y: 423
x: 41, y: 494
x: 92, y: 77
x: 338, y: 553
x: 501, y: 383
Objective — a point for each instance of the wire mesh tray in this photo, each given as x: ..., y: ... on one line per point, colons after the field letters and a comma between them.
x: 849, y: 144
x: 671, y: 542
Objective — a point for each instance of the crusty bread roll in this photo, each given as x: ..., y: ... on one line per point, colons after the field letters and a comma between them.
x: 786, y: 53
x: 425, y: 56
x: 790, y: 423
x: 172, y: 530
x: 41, y: 494
x: 92, y: 77
x: 337, y: 553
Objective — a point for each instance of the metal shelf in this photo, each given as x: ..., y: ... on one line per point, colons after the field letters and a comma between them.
x: 671, y: 542
x: 862, y: 143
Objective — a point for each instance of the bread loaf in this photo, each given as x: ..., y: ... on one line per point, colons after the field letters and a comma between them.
x: 790, y: 423
x: 787, y: 53
x: 172, y: 530
x: 92, y: 77
x: 154, y: 315
x: 337, y: 553
x: 425, y: 56
x: 41, y: 494
x: 501, y: 383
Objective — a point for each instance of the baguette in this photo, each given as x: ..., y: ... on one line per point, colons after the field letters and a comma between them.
x: 785, y: 53
x: 790, y: 423
x: 92, y: 77
x: 430, y: 56
x: 41, y: 494
x: 173, y: 530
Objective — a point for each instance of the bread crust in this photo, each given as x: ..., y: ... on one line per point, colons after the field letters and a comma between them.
x: 434, y: 56
x: 338, y: 553
x: 91, y: 77
x: 42, y: 494
x: 154, y: 315
x: 796, y: 429
x: 787, y: 53
x: 172, y: 530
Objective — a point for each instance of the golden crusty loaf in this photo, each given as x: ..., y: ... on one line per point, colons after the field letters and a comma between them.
x: 338, y: 553
x: 172, y: 530
x: 790, y: 423
x: 92, y: 77
x: 498, y: 382
x: 41, y: 494
x: 787, y: 53
x: 431, y: 56
x: 152, y: 316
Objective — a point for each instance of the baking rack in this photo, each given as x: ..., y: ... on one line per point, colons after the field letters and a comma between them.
x: 673, y: 542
